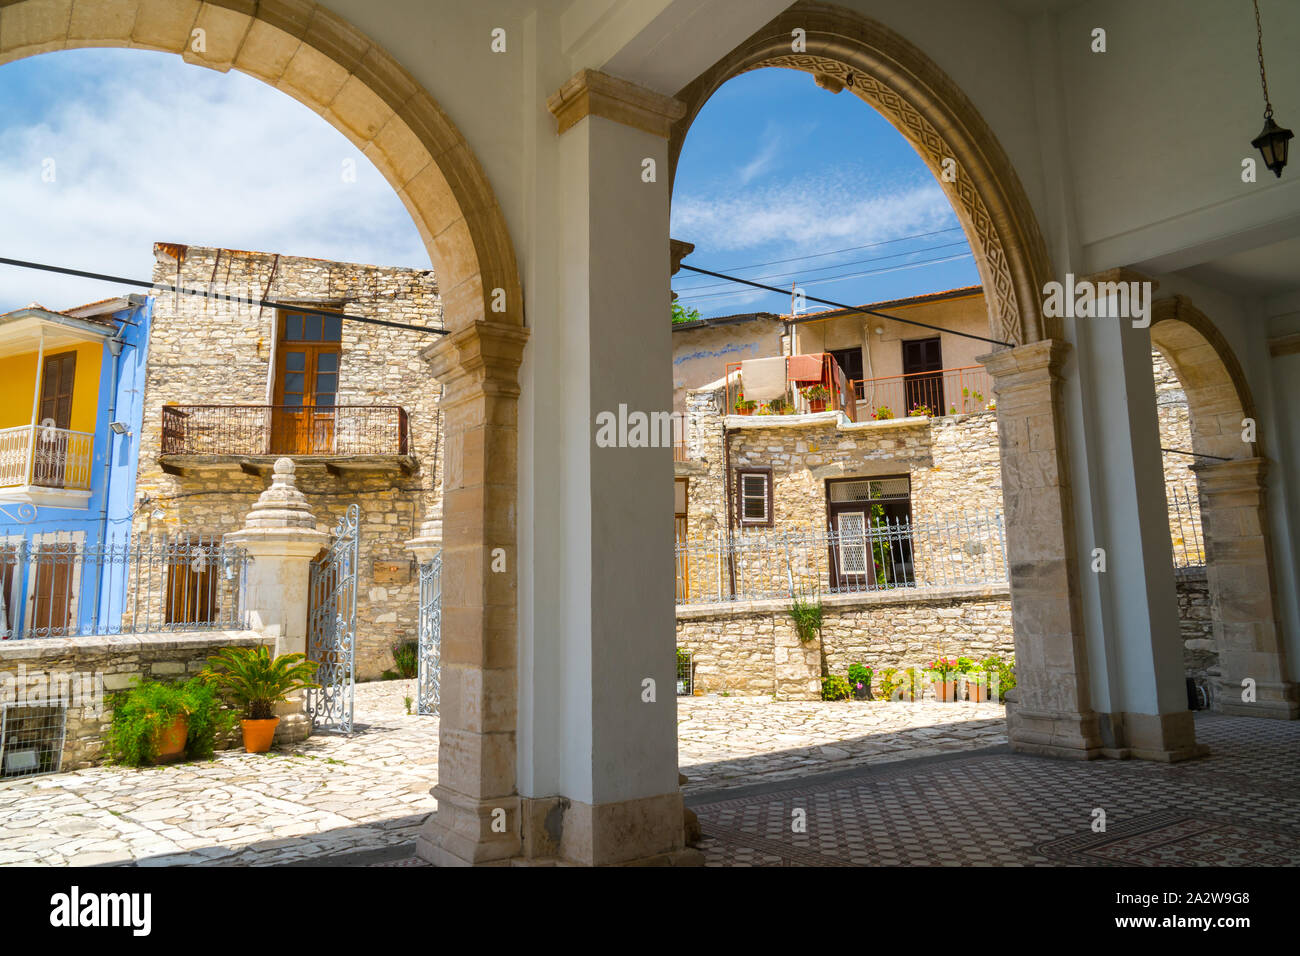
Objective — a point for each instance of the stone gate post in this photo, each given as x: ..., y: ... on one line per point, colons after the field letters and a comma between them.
x: 280, y: 537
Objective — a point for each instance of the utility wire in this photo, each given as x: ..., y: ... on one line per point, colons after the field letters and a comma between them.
x: 835, y: 252
x: 837, y: 265
x: 849, y: 308
x: 828, y: 280
x: 165, y: 287
x: 1193, y: 454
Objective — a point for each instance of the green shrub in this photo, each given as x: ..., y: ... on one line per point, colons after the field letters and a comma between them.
x: 1001, y: 671
x: 860, y: 674
x: 807, y: 617
x: 835, y: 687
x: 146, y: 710
x: 406, y: 655
x: 889, y: 682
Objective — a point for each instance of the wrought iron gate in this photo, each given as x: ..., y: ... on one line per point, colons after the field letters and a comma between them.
x: 332, y: 627
x: 429, y: 686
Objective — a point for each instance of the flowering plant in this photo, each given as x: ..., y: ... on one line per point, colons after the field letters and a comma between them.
x: 920, y: 411
x: 941, y: 667
x: 882, y: 413
x: 860, y: 675
x: 815, y: 393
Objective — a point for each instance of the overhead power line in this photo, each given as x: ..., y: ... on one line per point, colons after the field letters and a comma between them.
x: 835, y: 252
x: 827, y: 280
x: 244, y: 300
x: 838, y: 265
x: 849, y: 308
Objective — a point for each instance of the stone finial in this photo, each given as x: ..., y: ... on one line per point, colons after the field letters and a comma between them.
x: 282, y: 505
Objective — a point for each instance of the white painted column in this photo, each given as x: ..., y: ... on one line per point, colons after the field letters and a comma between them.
x: 1135, y: 647
x: 598, y: 760
x: 280, y: 537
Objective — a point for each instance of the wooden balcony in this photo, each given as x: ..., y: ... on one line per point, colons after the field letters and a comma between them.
x: 339, y: 438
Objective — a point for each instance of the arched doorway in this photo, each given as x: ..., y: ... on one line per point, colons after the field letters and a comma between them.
x: 321, y: 60
x: 1230, y: 478
x: 844, y: 50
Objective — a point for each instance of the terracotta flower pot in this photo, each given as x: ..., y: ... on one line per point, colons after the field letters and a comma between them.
x: 171, y: 740
x: 816, y: 404
x: 945, y: 690
x: 258, y: 734
x: 977, y: 693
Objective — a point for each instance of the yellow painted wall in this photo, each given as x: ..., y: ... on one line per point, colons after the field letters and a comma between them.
x: 18, y: 379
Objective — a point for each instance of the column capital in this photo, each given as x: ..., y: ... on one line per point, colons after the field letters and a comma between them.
x: 1239, y: 474
x: 1028, y: 361
x: 593, y: 93
x: 483, y: 351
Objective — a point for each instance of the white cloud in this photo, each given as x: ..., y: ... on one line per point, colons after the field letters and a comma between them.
x: 809, y: 215
x: 151, y: 149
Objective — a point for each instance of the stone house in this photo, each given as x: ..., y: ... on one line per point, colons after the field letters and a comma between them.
x: 230, y: 387
x: 773, y: 497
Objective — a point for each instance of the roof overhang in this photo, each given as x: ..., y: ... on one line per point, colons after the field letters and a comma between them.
x: 24, y: 329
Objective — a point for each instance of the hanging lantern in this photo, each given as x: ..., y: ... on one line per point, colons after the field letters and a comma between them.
x: 1273, y: 139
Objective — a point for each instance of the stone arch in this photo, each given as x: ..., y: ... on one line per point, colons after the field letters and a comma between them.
x: 1234, y: 513
x: 1218, y: 395
x: 324, y: 62
x: 845, y: 49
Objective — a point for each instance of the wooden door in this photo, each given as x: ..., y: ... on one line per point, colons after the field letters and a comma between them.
x: 52, y: 601
x: 306, y: 384
x: 921, y: 357
x: 58, y: 375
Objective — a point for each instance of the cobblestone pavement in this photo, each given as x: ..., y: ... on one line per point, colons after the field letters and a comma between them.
x: 734, y: 741
x: 334, y: 796
x: 329, y: 795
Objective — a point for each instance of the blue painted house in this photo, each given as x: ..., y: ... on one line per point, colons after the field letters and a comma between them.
x: 71, y: 405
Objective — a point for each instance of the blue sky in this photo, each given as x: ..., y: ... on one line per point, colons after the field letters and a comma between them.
x: 775, y: 168
x: 147, y: 148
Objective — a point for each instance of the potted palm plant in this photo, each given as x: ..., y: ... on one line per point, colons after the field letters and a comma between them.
x: 256, y: 682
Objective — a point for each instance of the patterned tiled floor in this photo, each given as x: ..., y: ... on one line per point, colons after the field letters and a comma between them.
x: 1239, y: 806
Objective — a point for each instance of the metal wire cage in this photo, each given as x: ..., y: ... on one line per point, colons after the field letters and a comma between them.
x: 31, y: 739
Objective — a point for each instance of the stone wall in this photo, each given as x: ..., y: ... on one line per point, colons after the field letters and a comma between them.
x: 1175, y: 424
x: 204, y: 352
x: 1196, y: 624
x: 93, y: 668
x: 752, y: 648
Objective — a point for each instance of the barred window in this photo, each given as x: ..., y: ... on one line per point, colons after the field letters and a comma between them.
x: 754, y: 497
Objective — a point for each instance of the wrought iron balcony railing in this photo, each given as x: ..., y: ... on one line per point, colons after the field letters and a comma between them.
x: 949, y: 391
x: 42, y: 456
x: 260, y: 430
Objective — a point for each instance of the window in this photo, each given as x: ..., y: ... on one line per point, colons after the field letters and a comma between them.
x: 754, y: 497
x: 306, y: 383
x: 871, y: 534
x: 922, y: 368
x: 192, y: 582
x: 849, y: 361
x: 679, y: 532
